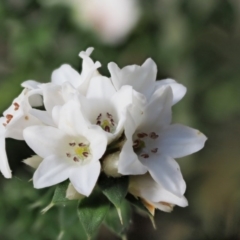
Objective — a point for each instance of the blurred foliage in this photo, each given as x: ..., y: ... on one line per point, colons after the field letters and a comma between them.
x: 195, y: 42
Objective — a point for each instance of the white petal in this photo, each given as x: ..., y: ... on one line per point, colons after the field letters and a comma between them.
x: 30, y: 84
x: 66, y: 74
x: 44, y: 140
x: 178, y: 89
x: 141, y: 78
x: 179, y: 141
x: 85, y: 177
x: 100, y: 87
x: 52, y: 96
x: 71, y: 119
x: 51, y: 171
x: 33, y: 161
x: 89, y: 70
x: 4, y: 166
x: 128, y: 161
x: 43, y: 116
x: 56, y: 114
x: 166, y: 172
x: 144, y: 186
x: 158, y: 112
x: 98, y: 141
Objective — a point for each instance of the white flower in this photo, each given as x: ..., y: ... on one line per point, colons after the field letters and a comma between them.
x: 153, y: 194
x: 106, y: 107
x: 143, y: 79
x: 153, y: 143
x: 70, y: 151
x: 16, y: 118
x: 112, y: 20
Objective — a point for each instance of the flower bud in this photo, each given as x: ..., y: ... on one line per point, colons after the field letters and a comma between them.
x: 110, y: 165
x: 72, y: 193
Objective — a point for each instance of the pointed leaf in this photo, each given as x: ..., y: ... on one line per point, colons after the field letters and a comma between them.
x: 112, y: 219
x: 60, y: 193
x: 138, y: 204
x: 92, y: 211
x: 115, y: 189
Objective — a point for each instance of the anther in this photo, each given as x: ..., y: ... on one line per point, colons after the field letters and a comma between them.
x: 98, y: 122
x: 68, y: 154
x: 142, y: 135
x: 9, y: 117
x: 72, y: 144
x: 75, y: 159
x: 144, y: 155
x: 85, y: 154
x: 107, y: 129
x: 16, y: 105
x: 99, y: 116
x: 81, y: 145
x: 154, y: 150
x: 136, y: 143
x: 153, y: 135
x: 112, y: 122
x: 109, y: 115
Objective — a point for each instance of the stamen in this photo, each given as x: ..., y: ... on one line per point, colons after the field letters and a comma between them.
x: 112, y: 122
x: 153, y: 135
x: 107, y: 129
x: 99, y: 116
x: 9, y: 118
x: 154, y: 150
x: 144, y: 155
x: 75, y: 159
x: 109, y: 115
x: 142, y: 135
x: 16, y: 105
x: 98, y: 122
x: 72, y: 144
x: 68, y: 155
x: 85, y: 154
x: 81, y: 145
x: 136, y: 143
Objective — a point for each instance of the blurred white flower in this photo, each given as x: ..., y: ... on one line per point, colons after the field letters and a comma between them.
x: 70, y: 151
x: 112, y: 20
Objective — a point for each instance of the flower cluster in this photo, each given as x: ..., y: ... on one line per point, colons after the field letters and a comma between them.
x: 80, y: 125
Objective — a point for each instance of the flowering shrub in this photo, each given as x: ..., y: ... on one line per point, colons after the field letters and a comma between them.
x: 103, y: 141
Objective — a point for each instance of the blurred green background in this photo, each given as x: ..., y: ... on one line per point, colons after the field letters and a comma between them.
x: 196, y: 42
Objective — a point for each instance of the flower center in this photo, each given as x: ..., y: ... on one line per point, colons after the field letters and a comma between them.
x: 78, y: 151
x: 144, y: 144
x: 106, y: 122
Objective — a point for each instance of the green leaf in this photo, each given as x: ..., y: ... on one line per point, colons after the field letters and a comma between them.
x: 115, y: 189
x: 92, y: 211
x: 60, y: 193
x: 59, y: 196
x: 138, y: 204
x: 112, y: 220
